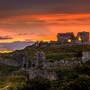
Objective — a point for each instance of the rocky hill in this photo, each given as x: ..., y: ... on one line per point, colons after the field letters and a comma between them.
x: 52, y: 63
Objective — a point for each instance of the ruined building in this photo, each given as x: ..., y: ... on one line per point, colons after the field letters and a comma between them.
x: 81, y: 38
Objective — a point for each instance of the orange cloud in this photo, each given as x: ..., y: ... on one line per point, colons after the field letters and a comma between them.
x: 43, y: 27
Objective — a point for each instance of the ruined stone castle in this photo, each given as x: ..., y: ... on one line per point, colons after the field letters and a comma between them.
x: 39, y: 66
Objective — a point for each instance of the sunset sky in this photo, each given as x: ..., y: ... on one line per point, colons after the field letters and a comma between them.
x: 25, y: 20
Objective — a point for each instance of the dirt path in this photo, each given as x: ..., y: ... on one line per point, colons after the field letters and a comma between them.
x: 6, y: 87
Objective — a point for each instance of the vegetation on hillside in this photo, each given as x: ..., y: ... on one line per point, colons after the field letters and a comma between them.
x: 77, y: 78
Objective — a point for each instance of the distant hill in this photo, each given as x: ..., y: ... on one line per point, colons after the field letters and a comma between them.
x: 15, y: 45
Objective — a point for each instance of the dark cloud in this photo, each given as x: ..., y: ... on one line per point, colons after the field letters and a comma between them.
x: 83, y: 19
x: 5, y: 37
x: 61, y: 6
x: 24, y: 34
x: 18, y: 7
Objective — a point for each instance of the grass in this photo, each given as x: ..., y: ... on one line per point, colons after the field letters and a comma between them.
x: 7, y: 69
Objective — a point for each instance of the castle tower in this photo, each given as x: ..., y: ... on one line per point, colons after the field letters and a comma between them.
x: 83, y: 37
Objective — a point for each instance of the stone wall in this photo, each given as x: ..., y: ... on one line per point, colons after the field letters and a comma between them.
x: 62, y: 63
x: 41, y: 65
x: 45, y: 63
